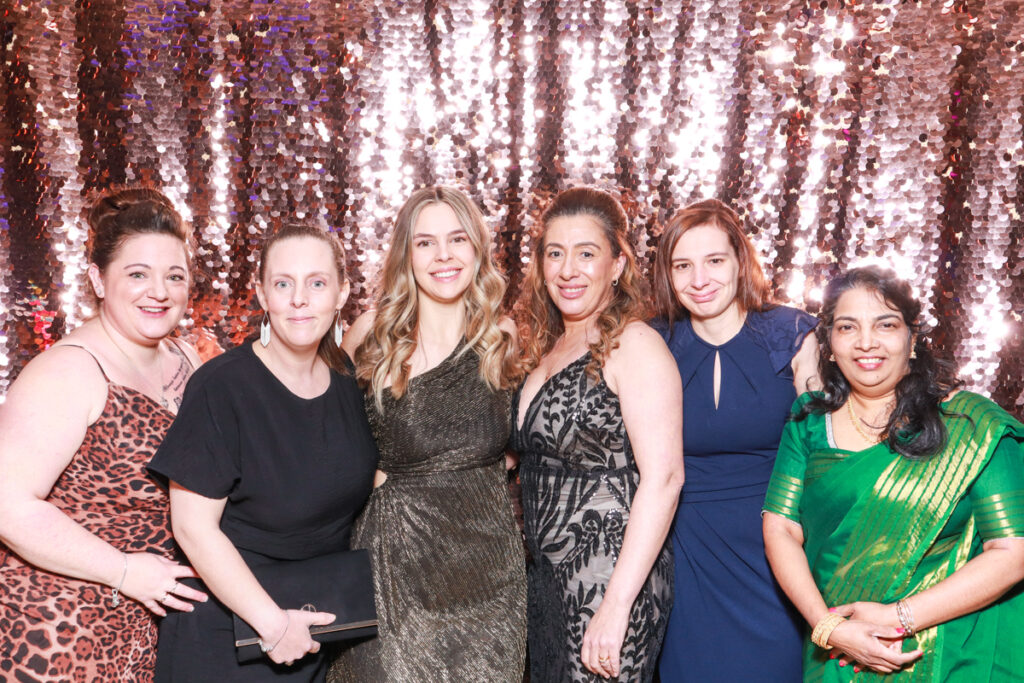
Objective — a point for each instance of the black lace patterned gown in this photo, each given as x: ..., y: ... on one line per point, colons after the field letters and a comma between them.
x: 579, y: 477
x: 447, y: 556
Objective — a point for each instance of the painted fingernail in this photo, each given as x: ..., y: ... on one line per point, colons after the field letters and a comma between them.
x: 833, y: 655
x: 900, y: 630
x: 856, y: 669
x: 831, y: 609
x: 842, y: 663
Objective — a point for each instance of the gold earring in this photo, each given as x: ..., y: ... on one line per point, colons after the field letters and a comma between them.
x: 832, y: 358
x: 913, y: 354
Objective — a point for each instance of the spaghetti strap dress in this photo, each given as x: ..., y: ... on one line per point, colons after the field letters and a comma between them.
x: 578, y: 479
x: 730, y: 620
x: 446, y: 552
x: 53, y: 627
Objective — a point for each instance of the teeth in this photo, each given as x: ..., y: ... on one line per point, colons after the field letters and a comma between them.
x: 573, y: 290
x: 446, y: 273
x: 152, y: 309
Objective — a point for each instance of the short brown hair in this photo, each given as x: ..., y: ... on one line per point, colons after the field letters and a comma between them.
x: 752, y: 291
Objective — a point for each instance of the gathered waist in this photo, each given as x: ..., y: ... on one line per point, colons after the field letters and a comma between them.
x: 430, y: 469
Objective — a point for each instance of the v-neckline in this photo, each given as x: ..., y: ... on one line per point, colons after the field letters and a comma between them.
x: 540, y: 390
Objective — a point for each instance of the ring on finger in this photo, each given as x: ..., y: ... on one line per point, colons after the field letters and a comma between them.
x: 604, y: 659
x: 167, y: 596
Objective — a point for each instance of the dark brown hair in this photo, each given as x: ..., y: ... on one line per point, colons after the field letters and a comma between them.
x: 121, y: 214
x: 752, y: 289
x: 327, y: 350
x: 543, y: 321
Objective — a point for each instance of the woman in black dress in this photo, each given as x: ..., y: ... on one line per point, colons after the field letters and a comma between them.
x: 270, y: 458
x: 599, y: 430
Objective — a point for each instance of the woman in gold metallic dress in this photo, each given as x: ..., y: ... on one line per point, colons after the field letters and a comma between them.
x: 437, y: 360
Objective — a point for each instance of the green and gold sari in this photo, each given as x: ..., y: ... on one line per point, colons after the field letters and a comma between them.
x: 880, y: 527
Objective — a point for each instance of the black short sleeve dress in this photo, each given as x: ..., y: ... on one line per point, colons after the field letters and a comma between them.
x: 295, y: 473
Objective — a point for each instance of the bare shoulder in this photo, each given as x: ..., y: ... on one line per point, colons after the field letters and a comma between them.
x: 640, y: 338
x: 65, y: 375
x: 640, y: 358
x: 357, y: 331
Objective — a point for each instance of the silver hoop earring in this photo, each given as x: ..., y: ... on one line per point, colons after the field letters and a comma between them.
x: 265, y: 330
x: 615, y: 282
x: 339, y: 331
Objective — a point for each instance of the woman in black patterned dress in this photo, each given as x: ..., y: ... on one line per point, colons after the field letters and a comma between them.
x: 599, y: 431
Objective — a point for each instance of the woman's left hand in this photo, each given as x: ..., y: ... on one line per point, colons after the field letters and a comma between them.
x: 602, y: 641
x: 875, y: 612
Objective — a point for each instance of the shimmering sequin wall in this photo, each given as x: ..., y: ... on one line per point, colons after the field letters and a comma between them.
x: 843, y: 131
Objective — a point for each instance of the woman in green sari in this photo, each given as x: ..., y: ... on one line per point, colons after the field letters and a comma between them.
x: 894, y: 519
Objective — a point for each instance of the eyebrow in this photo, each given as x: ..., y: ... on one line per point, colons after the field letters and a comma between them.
x: 421, y: 235
x: 317, y: 273
x: 714, y: 253
x: 593, y: 245
x: 146, y: 265
x: 884, y: 316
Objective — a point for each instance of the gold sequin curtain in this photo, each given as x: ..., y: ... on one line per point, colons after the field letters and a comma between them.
x: 845, y: 132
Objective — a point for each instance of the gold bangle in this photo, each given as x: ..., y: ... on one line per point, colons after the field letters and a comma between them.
x: 823, y: 629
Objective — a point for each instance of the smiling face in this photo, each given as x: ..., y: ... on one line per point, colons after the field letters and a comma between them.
x: 579, y: 266
x: 705, y: 273
x: 300, y: 291
x: 144, y: 288
x: 871, y: 342
x: 443, y: 256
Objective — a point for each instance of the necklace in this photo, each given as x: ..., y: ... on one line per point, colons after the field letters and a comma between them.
x: 855, y: 419
x: 156, y: 395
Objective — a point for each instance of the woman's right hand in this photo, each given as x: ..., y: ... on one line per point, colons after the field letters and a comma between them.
x: 291, y: 641
x: 871, y: 646
x: 153, y: 580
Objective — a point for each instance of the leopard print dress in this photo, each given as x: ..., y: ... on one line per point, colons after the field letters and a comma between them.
x: 54, y: 628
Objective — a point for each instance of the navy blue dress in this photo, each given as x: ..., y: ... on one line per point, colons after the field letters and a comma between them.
x: 730, y: 621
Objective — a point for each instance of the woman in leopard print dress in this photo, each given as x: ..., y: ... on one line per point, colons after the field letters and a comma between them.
x: 84, y: 538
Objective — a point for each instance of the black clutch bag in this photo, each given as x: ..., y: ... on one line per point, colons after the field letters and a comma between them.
x: 340, y: 583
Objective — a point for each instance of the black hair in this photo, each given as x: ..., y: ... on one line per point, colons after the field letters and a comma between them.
x: 915, y: 428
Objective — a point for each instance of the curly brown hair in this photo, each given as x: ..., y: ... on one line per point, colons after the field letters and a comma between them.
x: 541, y: 322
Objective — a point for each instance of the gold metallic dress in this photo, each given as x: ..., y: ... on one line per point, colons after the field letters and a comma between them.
x: 447, y: 556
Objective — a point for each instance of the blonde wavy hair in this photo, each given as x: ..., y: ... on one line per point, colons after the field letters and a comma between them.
x: 542, y: 321
x: 384, y: 355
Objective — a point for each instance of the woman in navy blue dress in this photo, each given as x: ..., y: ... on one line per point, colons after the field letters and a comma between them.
x: 743, y: 361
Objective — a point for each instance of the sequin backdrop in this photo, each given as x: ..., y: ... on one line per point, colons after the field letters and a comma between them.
x: 843, y: 131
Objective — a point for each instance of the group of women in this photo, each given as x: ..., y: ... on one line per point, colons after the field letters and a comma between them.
x: 847, y: 510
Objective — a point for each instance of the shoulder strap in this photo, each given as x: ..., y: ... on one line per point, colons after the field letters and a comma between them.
x: 97, y: 360
x: 177, y: 347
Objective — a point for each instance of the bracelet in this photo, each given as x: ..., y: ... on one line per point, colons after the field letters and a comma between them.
x: 823, y: 629
x: 115, y: 599
x: 906, y: 617
x: 268, y: 649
